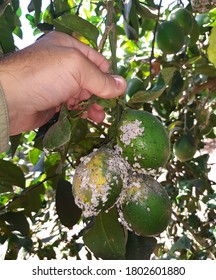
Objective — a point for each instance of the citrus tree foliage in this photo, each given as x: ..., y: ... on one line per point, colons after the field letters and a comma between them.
x: 38, y: 214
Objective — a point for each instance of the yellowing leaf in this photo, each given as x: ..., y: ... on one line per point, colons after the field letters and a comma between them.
x: 211, y: 48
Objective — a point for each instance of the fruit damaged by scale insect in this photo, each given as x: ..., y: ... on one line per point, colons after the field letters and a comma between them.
x: 142, y: 140
x: 144, y: 206
x: 97, y: 181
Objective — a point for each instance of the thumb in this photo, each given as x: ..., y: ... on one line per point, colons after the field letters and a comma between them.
x: 99, y: 83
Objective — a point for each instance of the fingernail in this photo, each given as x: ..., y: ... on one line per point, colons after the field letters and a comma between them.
x: 120, y: 82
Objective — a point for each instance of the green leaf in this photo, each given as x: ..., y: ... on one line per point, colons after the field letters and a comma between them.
x: 183, y: 243
x: 106, y: 238
x: 34, y: 155
x: 163, y: 80
x: 16, y: 221
x: 5, y: 187
x: 11, y: 174
x: 211, y: 48
x: 29, y: 200
x: 15, y: 141
x: 37, y: 7
x: 15, y: 4
x: 127, y: 8
x: 62, y: 6
x: 68, y: 212
x: 131, y: 33
x: 59, y: 133
x: 139, y: 247
x: 5, y: 197
x: 145, y: 12
x: 176, y: 86
x: 73, y: 24
x: 6, y: 36
x: 79, y: 129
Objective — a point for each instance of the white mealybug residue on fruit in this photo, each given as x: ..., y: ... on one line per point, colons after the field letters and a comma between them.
x: 98, y: 181
x: 130, y: 131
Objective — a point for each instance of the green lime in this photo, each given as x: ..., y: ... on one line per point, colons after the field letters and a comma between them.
x: 184, y: 148
x: 183, y: 18
x: 142, y: 140
x: 144, y: 206
x: 170, y: 37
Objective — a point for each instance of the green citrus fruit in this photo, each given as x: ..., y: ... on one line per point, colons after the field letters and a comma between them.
x: 97, y: 181
x: 142, y: 140
x: 183, y: 18
x: 144, y: 206
x: 184, y: 148
x: 170, y: 37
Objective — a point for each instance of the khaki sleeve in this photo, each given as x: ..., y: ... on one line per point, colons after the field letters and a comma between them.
x: 4, y: 123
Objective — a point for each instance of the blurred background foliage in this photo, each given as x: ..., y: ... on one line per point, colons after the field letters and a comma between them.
x: 38, y: 217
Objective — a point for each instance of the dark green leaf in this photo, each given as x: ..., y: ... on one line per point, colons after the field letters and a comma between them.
x: 15, y: 4
x: 59, y: 133
x: 37, y: 8
x: 45, y: 27
x: 79, y: 129
x: 10, y: 173
x: 176, y: 86
x: 183, y: 243
x: 18, y: 32
x: 68, y: 212
x: 127, y: 9
x: 139, y: 247
x: 16, y: 221
x: 130, y: 32
x: 6, y: 187
x: 29, y: 200
x: 35, y: 5
x: 15, y: 141
x: 106, y: 238
x: 150, y: 95
x: 6, y: 36
x: 145, y: 12
x: 73, y: 24
x: 61, y: 6
x: 31, y: 6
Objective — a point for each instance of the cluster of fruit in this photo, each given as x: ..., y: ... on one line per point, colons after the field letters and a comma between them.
x: 121, y: 175
x: 181, y: 28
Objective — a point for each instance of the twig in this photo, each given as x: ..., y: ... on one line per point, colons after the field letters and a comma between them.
x: 79, y: 6
x: 111, y: 33
x: 154, y: 36
x: 27, y: 190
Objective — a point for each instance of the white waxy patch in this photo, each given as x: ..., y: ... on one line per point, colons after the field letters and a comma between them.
x: 130, y: 131
x: 116, y: 173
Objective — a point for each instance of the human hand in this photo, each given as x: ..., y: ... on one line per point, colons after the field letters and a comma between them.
x: 55, y: 70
